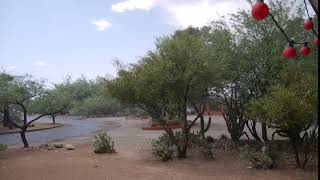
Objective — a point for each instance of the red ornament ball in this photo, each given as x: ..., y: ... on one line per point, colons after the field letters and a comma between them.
x: 260, y: 11
x: 316, y: 42
x: 305, y: 51
x: 308, y: 25
x: 289, y: 52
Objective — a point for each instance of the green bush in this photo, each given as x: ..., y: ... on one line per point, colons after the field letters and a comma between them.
x: 163, y: 148
x: 204, y: 145
x: 3, y: 147
x: 103, y: 144
x: 194, y: 139
x: 207, y: 151
x: 269, y: 158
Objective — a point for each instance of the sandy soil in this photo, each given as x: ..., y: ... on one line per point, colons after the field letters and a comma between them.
x: 133, y: 161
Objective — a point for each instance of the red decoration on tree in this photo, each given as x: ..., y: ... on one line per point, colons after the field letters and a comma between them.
x: 316, y: 41
x: 305, y: 50
x: 260, y: 10
x: 289, y: 52
x: 308, y: 24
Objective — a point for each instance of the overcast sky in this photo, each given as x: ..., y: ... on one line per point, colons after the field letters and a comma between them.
x: 54, y: 38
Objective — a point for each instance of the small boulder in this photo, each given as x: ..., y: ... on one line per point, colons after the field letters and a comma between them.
x: 69, y: 147
x: 50, y: 147
x: 43, y: 146
x: 58, y: 145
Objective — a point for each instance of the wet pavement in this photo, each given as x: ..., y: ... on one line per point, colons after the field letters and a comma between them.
x: 73, y: 128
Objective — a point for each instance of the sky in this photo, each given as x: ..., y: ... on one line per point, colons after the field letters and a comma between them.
x: 51, y: 39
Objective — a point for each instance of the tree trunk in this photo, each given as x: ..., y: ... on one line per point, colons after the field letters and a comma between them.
x: 23, y: 138
x: 6, y: 116
x: 53, y: 116
x: 182, y: 151
x: 296, y: 145
x: 202, y: 126
x: 264, y: 131
x: 296, y: 152
x: 253, y: 130
x: 235, y: 137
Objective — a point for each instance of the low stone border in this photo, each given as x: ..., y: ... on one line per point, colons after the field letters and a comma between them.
x: 37, y: 127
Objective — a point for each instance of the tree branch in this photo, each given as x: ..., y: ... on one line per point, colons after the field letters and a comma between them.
x: 47, y: 114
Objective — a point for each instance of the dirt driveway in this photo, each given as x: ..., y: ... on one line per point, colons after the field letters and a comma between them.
x: 133, y: 161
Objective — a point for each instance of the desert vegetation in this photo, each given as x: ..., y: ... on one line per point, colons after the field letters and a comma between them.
x: 233, y: 63
x: 237, y: 65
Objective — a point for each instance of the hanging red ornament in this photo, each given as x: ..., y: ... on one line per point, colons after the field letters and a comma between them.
x: 260, y: 10
x: 289, y: 52
x: 308, y: 24
x: 316, y: 42
x: 305, y: 50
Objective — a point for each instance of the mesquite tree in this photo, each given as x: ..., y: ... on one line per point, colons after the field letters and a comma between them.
x: 254, y: 60
x: 229, y: 87
x: 292, y: 109
x: 21, y: 93
x: 54, y: 101
x: 90, y: 97
x: 167, y: 80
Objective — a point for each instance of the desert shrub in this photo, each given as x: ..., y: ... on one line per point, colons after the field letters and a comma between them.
x: 269, y: 158
x: 204, y: 145
x: 223, y: 136
x: 207, y: 150
x: 194, y: 139
x: 163, y: 148
x: 103, y: 143
x: 3, y: 147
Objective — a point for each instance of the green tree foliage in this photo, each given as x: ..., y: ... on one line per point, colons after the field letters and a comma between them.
x: 252, y: 61
x: 168, y: 80
x: 55, y: 100
x: 20, y: 94
x: 292, y: 109
x: 5, y: 80
x: 91, y: 99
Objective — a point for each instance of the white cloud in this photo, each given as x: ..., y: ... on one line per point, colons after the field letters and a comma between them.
x: 131, y: 5
x: 184, y: 13
x: 40, y: 64
x: 101, y: 24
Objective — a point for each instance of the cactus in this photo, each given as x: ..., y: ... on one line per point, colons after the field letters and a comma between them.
x: 103, y: 143
x: 202, y: 128
x: 163, y: 148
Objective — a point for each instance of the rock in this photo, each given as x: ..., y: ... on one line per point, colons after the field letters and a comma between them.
x: 58, y: 145
x: 50, y: 147
x: 69, y: 147
x: 43, y: 146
